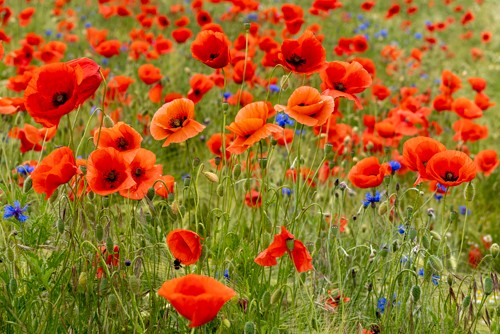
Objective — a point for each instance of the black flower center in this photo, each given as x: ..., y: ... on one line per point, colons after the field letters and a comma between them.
x: 177, y: 122
x: 450, y: 177
x: 339, y: 86
x: 59, y: 99
x: 296, y: 60
x: 213, y: 56
x: 112, y: 176
x: 122, y: 144
x: 138, y: 172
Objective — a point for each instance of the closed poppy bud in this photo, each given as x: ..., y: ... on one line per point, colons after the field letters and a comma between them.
x: 494, y: 250
x: 415, y: 293
x: 28, y: 183
x: 488, y: 286
x: 435, y: 263
x: 212, y: 177
x: 469, y: 192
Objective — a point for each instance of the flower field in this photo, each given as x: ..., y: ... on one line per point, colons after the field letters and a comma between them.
x: 249, y: 166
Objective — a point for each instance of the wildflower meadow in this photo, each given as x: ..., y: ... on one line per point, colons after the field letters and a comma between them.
x: 249, y: 166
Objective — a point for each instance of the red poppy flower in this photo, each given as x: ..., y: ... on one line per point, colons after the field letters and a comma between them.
x: 486, y: 161
x: 451, y: 168
x: 308, y: 107
x: 164, y: 185
x: 200, y: 85
x: 144, y: 172
x: 477, y: 84
x: 55, y: 169
x: 32, y: 138
x: 197, y: 298
x: 214, y: 144
x: 368, y: 173
x: 211, y: 48
x: 418, y: 151
x: 184, y: 245
x: 450, y: 82
x: 149, y: 74
x: 181, y: 35
x: 108, y: 172
x: 475, y: 256
x: 305, y: 55
x: 468, y: 131
x: 111, y: 258
x: 465, y: 108
x: 253, y: 199
x: 250, y: 126
x: 283, y: 243
x: 341, y: 79
x: 122, y: 137
x: 174, y: 121
x: 108, y: 48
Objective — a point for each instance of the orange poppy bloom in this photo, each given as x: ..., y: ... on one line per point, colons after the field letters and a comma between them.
x: 451, y: 168
x: 149, y: 74
x: 468, y: 131
x: 144, y: 172
x: 341, y: 79
x: 164, y: 185
x: 250, y: 126
x: 200, y: 85
x: 368, y: 173
x: 122, y: 137
x: 55, y: 169
x: 418, y: 151
x: 308, y: 107
x: 197, y: 298
x: 108, y: 172
x: 185, y: 246
x: 175, y: 122
x: 477, y: 84
x: 108, y: 48
x: 450, y: 82
x: 283, y: 243
x: 486, y: 161
x: 211, y: 48
x: 465, y: 108
x: 32, y: 138
x: 305, y: 55
x: 214, y: 144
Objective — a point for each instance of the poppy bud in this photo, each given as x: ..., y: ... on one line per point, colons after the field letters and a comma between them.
x: 469, y: 192
x: 109, y: 245
x: 435, y: 235
x: 28, y: 183
x: 226, y: 323
x: 435, y: 263
x: 212, y: 177
x: 276, y: 297
x: 247, y: 26
x: 225, y: 106
x: 328, y: 148
x: 415, y: 293
x: 151, y: 193
x: 466, y: 302
x: 412, y: 233
x: 60, y: 226
x: 108, y: 122
x: 220, y: 190
x: 263, y: 163
x: 266, y: 298
x: 99, y: 232
x: 425, y: 241
x: 13, y: 286
x: 135, y: 284
x: 290, y: 244
x: 236, y: 171
x: 488, y: 286
x: 82, y: 280
x: 196, y: 162
x: 382, y: 209
x: 249, y: 328
x: 112, y: 303
x: 217, y: 161
x: 187, y: 181
x: 494, y: 250
x: 449, y: 279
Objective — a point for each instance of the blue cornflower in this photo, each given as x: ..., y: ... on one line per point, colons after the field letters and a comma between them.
x: 418, y: 35
x: 25, y: 170
x: 381, y: 303
x: 15, y: 211
x: 395, y: 166
x: 105, y: 62
x: 438, y: 196
x: 435, y: 279
x: 360, y: 17
x: 286, y: 191
x: 403, y: 259
x: 88, y: 25
x: 59, y: 35
x: 227, y: 95
x: 401, y: 229
x: 283, y: 119
x: 274, y: 88
x: 48, y: 32
x: 363, y: 26
x: 371, y: 199
x: 421, y: 272
x: 463, y: 210
x: 226, y: 274
x: 440, y: 187
x: 424, y: 76
x: 252, y: 17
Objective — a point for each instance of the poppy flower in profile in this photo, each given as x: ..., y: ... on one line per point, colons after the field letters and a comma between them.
x: 174, y: 121
x: 368, y: 173
x: 164, y: 185
x: 250, y: 126
x: 477, y: 84
x: 149, y: 74
x: 91, y: 80
x: 185, y: 246
x: 486, y: 161
x: 283, y: 243
x: 451, y: 168
x: 211, y: 48
x: 109, y: 48
x: 308, y: 107
x: 181, y: 35
x: 122, y: 137
x: 253, y: 199
x: 450, y: 82
x: 200, y: 85
x: 197, y: 298
x: 341, y: 79
x: 418, y: 151
x: 55, y: 169
x: 144, y: 172
x: 32, y: 138
x: 214, y: 144
x: 108, y: 172
x: 305, y: 55
x: 466, y: 108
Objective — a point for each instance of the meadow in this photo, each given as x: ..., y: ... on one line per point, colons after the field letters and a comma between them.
x: 249, y: 166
